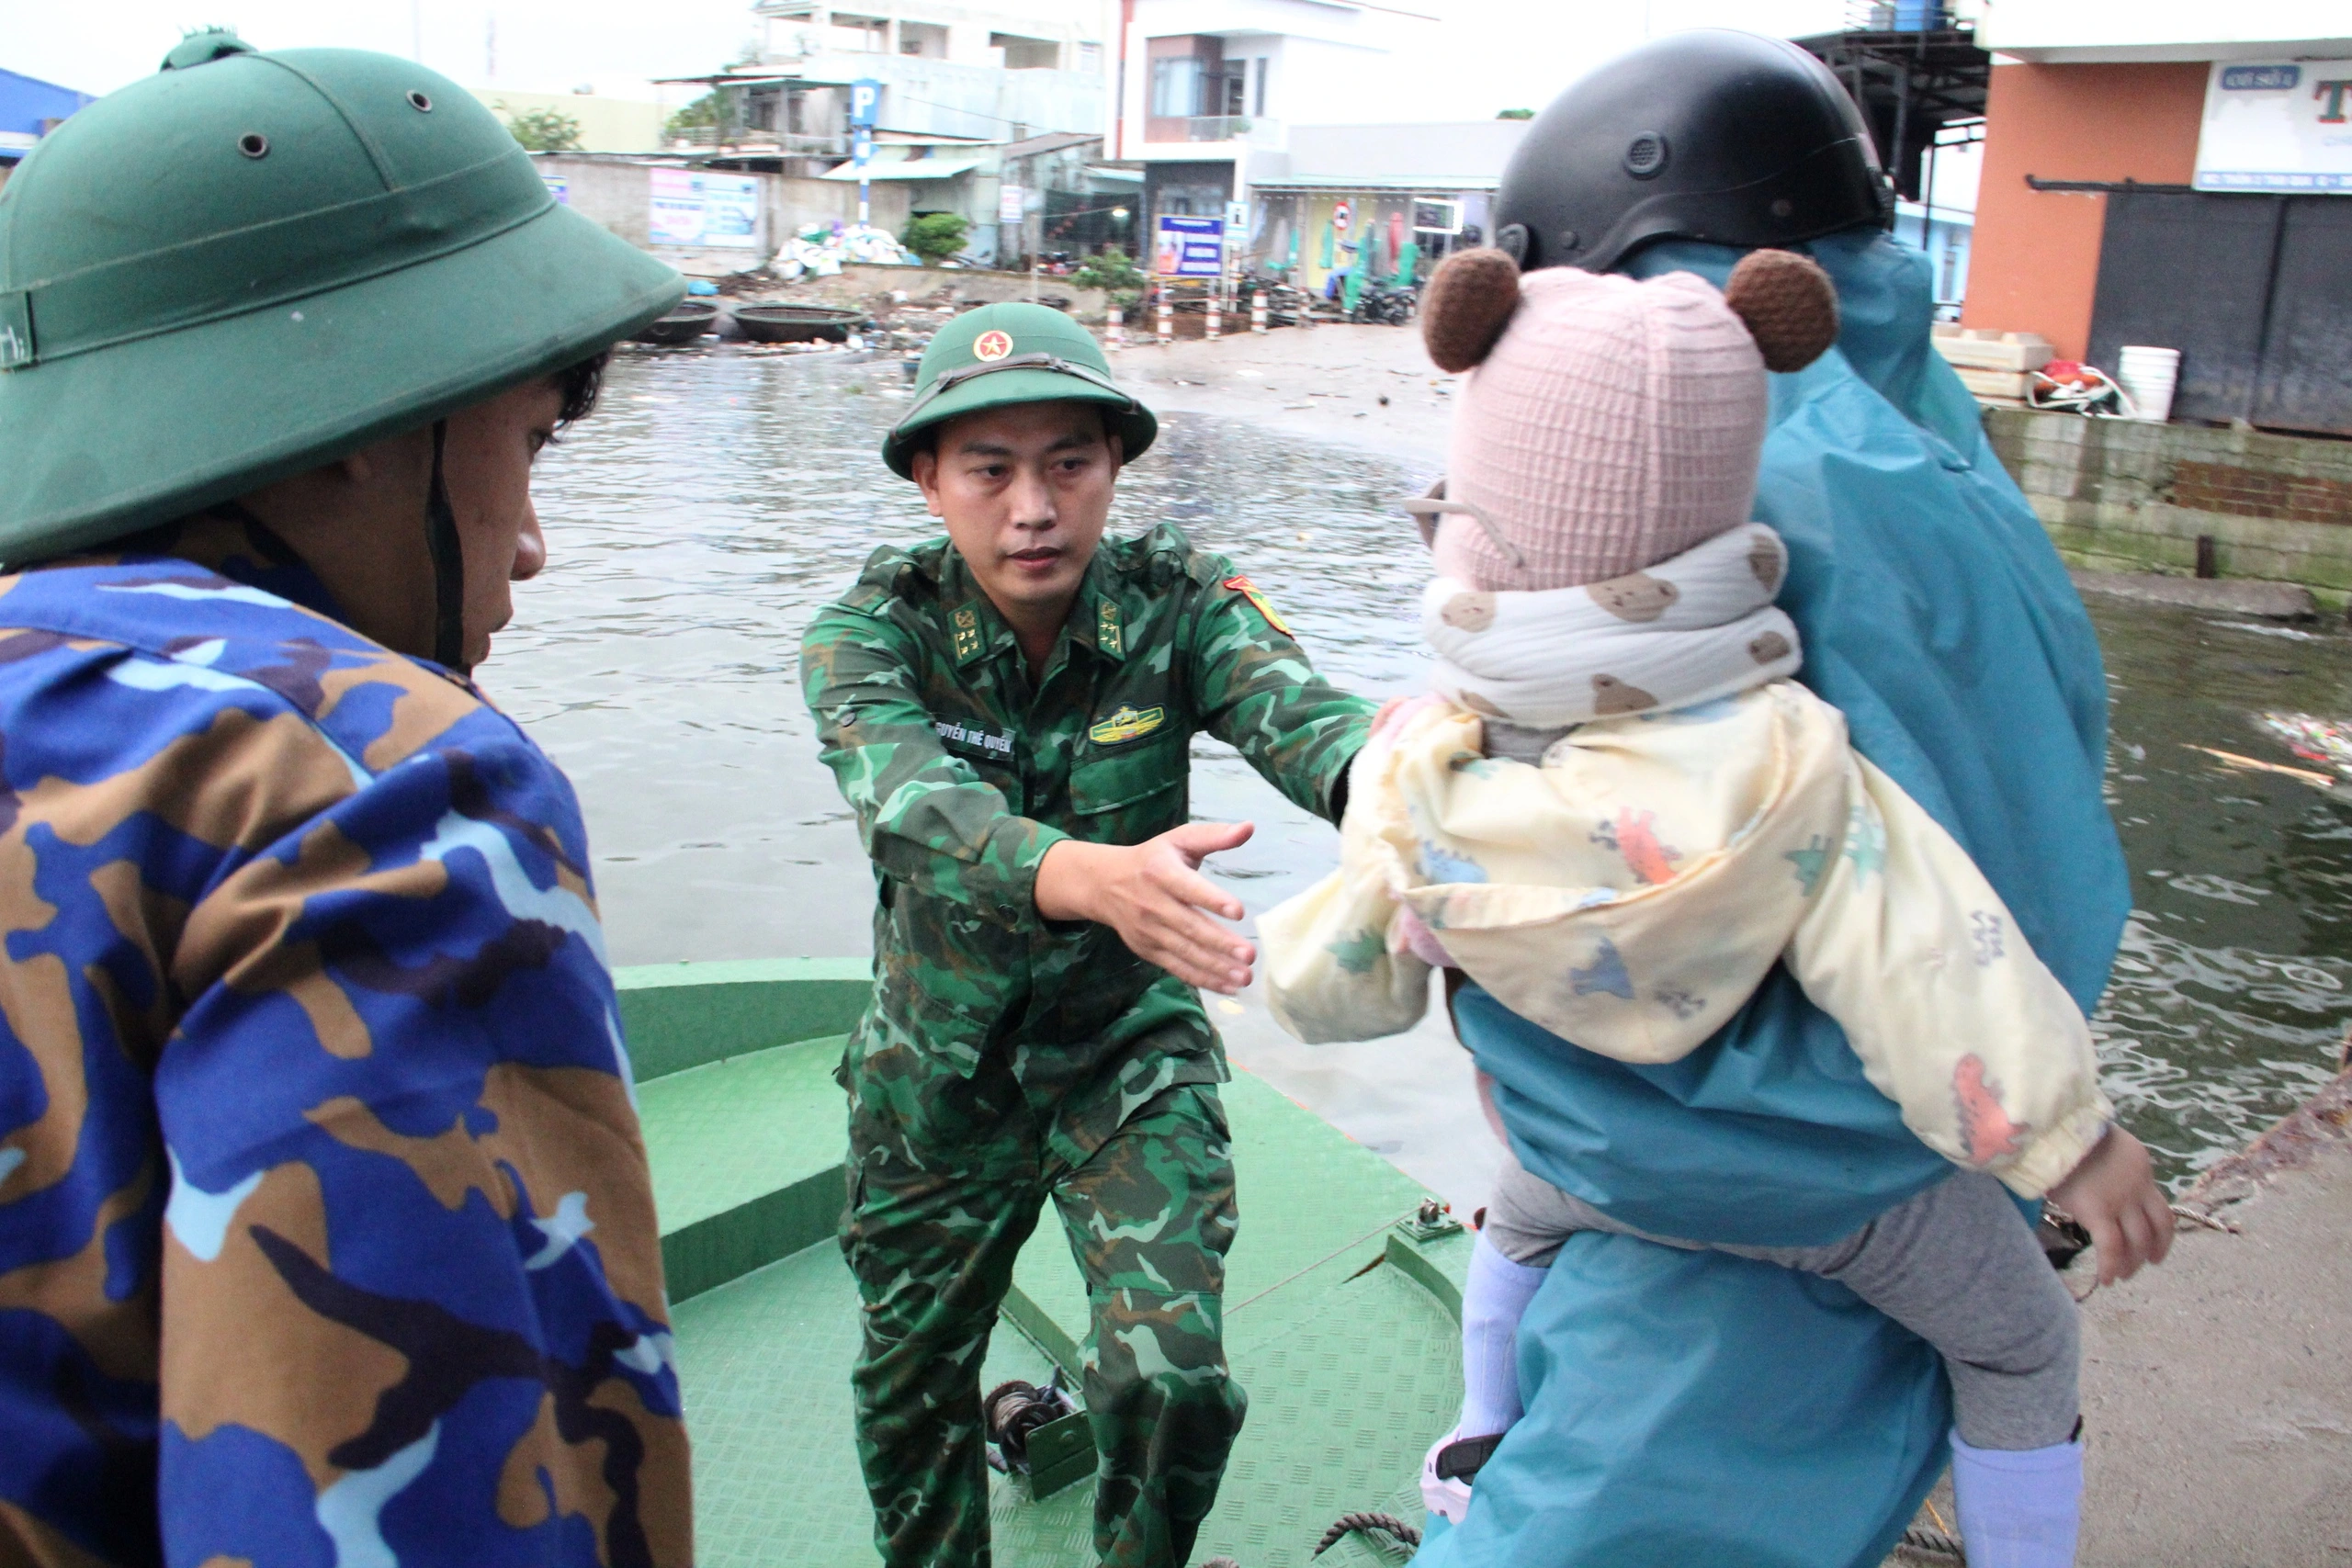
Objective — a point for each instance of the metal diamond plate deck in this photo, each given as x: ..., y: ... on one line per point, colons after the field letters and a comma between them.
x: 725, y: 1134
x: 1350, y: 1374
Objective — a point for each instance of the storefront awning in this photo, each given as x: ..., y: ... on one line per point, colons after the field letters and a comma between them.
x: 1425, y: 185
x: 905, y: 169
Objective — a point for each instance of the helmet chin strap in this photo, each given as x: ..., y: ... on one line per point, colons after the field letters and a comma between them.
x: 448, y: 563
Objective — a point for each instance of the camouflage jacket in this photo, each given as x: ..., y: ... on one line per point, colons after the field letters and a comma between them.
x: 325, y: 1229
x: 963, y: 775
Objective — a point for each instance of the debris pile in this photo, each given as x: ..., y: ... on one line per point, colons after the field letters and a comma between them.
x: 819, y: 250
x: 2316, y: 739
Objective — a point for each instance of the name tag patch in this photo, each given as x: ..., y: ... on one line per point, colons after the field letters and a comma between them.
x: 1127, y: 723
x: 956, y: 733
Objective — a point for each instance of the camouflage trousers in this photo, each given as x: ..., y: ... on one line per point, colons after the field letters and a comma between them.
x: 947, y: 1176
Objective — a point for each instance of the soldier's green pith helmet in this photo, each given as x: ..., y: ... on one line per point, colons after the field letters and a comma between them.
x: 251, y: 264
x: 1012, y: 353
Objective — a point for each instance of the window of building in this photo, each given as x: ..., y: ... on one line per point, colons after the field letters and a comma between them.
x: 1176, y: 85
x: 1258, y: 98
x: 861, y: 35
x: 1234, y: 99
x: 1027, y: 53
x: 926, y: 40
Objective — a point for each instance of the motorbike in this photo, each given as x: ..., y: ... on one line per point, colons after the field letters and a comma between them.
x: 1387, y: 307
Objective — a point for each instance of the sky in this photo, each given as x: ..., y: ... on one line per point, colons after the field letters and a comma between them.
x: 1495, y: 54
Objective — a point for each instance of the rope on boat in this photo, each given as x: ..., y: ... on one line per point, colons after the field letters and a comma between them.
x: 1935, y: 1543
x: 1347, y: 1522
x: 1919, y: 1538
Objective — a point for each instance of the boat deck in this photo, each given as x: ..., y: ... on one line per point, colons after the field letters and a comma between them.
x: 1340, y: 1325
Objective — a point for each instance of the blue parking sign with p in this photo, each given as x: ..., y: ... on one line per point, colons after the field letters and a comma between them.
x: 864, y: 101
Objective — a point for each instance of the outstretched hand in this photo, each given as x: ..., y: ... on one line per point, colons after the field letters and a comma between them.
x: 1153, y: 895
x: 2113, y: 1193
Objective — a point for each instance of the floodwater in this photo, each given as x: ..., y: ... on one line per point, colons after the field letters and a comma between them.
x: 718, y: 497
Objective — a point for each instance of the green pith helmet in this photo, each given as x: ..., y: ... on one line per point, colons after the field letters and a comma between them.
x: 249, y: 264
x: 1012, y: 353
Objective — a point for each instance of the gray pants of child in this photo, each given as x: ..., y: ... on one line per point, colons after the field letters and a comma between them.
x: 1957, y: 1266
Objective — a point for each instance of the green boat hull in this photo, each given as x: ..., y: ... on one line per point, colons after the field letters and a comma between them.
x: 1341, y: 1315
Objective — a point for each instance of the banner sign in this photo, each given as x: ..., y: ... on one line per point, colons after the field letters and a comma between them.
x: 1008, y: 201
x: 558, y: 186
x: 1189, y: 247
x: 705, y: 211
x: 2282, y: 125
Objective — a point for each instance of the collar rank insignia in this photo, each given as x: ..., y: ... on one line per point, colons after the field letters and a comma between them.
x: 966, y: 621
x: 1126, y: 724
x: 1107, y: 635
x: 1249, y: 591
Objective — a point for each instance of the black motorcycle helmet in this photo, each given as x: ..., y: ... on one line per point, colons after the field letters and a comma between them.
x: 1711, y: 134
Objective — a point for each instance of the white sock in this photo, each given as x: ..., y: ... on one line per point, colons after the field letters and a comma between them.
x: 1495, y: 1296
x: 2019, y: 1508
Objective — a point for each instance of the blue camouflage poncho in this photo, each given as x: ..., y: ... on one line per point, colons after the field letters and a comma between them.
x: 325, y: 1229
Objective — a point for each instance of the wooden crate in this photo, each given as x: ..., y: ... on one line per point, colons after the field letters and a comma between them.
x: 2006, y: 386
x: 1976, y: 348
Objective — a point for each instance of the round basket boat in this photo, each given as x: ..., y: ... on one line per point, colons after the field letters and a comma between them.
x: 796, y: 323
x: 689, y: 320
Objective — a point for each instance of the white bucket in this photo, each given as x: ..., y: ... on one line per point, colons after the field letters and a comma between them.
x: 2148, y: 376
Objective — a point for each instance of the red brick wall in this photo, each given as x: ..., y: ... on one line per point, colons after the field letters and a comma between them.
x: 2251, y: 493
x: 2033, y: 263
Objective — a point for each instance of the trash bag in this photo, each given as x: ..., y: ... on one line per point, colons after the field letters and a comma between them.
x: 1689, y: 1407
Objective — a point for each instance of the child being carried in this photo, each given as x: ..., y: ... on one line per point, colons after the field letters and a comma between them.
x: 1619, y: 812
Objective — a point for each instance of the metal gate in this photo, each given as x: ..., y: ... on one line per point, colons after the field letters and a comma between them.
x: 2255, y: 291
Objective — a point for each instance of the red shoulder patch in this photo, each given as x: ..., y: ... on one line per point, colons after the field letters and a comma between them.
x: 1248, y: 590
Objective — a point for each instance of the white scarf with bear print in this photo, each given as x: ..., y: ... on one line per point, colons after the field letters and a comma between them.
x: 1692, y: 629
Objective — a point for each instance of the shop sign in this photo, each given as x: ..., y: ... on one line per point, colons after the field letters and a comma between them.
x: 1189, y: 247
x: 2277, y: 125
x: 1008, y: 204
x: 705, y: 211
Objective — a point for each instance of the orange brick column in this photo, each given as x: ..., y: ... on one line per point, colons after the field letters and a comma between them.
x: 2033, y: 263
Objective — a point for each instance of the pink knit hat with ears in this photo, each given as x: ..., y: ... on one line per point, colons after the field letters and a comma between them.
x: 1609, y: 423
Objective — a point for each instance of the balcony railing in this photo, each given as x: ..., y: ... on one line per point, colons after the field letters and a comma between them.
x: 1255, y: 129
x: 792, y: 145
x: 1218, y: 128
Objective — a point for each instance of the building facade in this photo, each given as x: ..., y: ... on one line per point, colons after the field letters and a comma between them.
x: 1205, y: 94
x: 982, y: 73
x: 30, y: 109
x: 2177, y: 175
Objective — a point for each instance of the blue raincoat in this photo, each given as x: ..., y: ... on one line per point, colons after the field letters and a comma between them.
x: 1695, y: 1406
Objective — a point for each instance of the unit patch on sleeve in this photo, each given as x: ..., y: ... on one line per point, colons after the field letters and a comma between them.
x: 1249, y: 591
x: 1126, y: 724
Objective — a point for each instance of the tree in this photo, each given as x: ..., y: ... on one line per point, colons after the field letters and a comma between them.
x: 700, y: 115
x: 1516, y: 114
x: 1113, y: 273
x: 935, y: 236
x: 543, y: 130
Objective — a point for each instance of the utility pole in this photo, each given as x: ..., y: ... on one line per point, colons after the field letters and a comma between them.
x: 489, y: 47
x: 416, y: 30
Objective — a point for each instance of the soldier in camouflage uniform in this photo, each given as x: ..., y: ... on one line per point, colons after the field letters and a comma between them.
x: 1011, y: 712
x: 325, y: 1229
